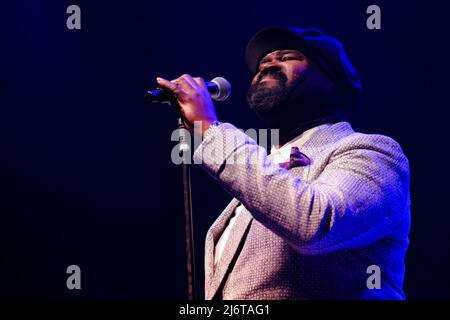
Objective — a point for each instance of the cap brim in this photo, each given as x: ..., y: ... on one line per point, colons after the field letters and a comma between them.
x: 269, y: 40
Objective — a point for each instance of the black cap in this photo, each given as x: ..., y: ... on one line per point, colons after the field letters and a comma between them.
x: 327, y: 52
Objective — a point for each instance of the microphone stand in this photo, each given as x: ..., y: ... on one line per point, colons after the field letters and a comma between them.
x: 184, y: 153
x: 188, y: 219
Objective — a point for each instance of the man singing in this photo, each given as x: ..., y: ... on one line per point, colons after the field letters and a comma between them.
x: 326, y: 215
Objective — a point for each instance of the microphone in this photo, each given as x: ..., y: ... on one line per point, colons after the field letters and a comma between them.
x: 219, y: 88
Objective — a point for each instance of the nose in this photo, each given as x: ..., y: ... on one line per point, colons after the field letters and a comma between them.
x: 269, y: 65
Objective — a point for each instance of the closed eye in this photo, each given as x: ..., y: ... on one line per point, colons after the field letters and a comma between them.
x: 264, y: 61
x: 290, y: 57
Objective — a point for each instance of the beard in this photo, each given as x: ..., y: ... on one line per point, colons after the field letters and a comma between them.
x: 293, y: 108
x: 263, y: 98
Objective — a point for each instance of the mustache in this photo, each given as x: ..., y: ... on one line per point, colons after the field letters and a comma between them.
x: 274, y: 73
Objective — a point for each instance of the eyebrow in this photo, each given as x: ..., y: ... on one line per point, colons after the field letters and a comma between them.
x: 289, y: 51
x: 280, y: 53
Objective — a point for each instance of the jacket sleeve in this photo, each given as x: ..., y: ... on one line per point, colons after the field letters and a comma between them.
x: 359, y: 197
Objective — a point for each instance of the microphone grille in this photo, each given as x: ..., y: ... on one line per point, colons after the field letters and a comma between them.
x: 224, y: 88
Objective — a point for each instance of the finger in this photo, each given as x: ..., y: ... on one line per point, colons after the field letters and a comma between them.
x: 186, y: 84
x: 188, y: 78
x: 170, y: 86
x: 183, y: 84
x: 200, y: 82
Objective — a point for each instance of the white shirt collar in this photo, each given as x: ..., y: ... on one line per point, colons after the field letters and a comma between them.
x: 282, y: 154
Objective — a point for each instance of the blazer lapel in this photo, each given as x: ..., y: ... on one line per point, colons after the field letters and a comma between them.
x: 237, y: 235
x: 212, y: 237
x: 214, y: 276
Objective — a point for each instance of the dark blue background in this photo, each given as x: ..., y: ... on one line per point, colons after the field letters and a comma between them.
x: 85, y: 171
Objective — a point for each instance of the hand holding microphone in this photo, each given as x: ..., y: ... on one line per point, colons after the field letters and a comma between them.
x: 194, y: 98
x: 219, y: 88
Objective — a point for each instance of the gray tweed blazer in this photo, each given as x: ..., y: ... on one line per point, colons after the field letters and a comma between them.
x: 310, y: 232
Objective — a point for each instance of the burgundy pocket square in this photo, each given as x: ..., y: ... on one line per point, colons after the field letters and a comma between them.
x: 296, y: 159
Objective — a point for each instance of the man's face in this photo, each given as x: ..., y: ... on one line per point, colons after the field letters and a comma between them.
x: 279, y: 71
